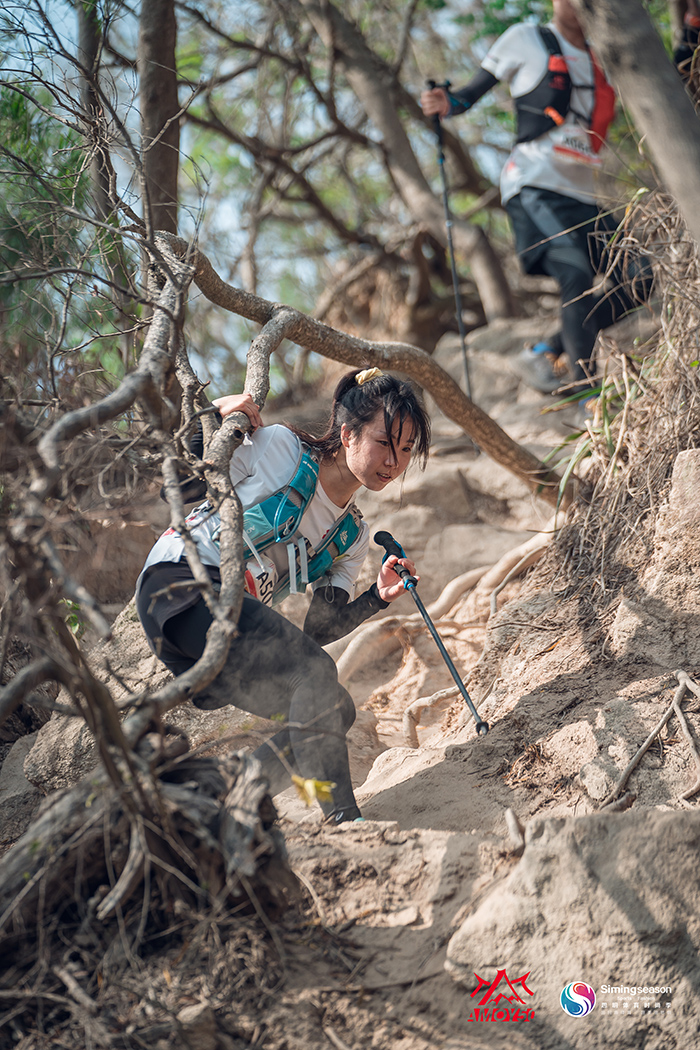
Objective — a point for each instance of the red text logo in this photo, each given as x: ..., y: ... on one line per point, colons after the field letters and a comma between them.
x: 500, y: 1000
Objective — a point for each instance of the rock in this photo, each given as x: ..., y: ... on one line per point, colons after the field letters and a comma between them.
x: 19, y: 799
x: 26, y: 718
x: 63, y: 751
x: 658, y: 621
x: 609, y: 900
x: 684, y: 498
x: 458, y: 548
x: 598, y: 778
x: 636, y: 631
x: 199, y: 1027
x: 505, y: 336
x: 363, y: 745
x: 110, y: 553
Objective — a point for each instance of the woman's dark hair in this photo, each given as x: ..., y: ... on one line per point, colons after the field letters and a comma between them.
x: 355, y: 404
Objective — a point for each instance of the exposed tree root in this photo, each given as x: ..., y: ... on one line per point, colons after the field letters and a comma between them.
x: 380, y: 638
x: 412, y: 714
x: 532, y: 551
x: 685, y: 684
x: 208, y: 836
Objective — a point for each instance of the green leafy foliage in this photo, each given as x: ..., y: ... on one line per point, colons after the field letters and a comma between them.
x: 52, y: 260
x: 495, y: 17
x: 74, y: 620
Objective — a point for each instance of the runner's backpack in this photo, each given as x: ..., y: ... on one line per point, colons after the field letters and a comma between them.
x: 547, y: 105
x: 276, y: 520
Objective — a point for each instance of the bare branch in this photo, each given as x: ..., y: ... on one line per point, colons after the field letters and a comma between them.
x: 353, y: 351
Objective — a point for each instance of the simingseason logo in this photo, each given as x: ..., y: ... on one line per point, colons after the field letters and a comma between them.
x: 577, y: 999
x: 635, y: 999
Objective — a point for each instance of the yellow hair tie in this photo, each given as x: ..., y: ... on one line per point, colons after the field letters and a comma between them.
x: 369, y: 373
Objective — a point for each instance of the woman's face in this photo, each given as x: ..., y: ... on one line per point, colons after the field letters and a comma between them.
x: 369, y: 455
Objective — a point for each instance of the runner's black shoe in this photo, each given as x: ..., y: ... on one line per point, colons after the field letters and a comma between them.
x: 535, y: 366
x: 341, y: 816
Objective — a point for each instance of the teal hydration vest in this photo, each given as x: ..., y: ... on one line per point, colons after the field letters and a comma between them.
x: 276, y: 520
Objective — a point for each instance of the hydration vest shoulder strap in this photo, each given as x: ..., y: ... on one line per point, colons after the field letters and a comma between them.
x: 307, y: 563
x: 278, y: 517
x: 603, y: 93
x: 546, y: 105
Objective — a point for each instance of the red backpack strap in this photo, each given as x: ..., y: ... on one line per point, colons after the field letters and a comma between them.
x: 603, y: 106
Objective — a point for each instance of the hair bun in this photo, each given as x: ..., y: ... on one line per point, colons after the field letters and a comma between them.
x: 369, y: 373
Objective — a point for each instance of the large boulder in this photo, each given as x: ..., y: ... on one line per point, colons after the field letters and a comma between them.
x: 609, y: 900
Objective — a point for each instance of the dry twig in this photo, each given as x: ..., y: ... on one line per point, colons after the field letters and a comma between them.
x: 689, y: 684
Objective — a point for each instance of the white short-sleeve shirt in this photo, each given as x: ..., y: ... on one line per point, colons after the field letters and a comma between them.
x: 261, y: 466
x: 561, y: 160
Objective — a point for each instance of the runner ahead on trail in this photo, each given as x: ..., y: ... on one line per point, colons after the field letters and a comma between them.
x: 300, y: 524
x: 564, y: 106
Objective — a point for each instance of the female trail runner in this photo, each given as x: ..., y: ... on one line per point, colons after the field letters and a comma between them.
x: 376, y: 425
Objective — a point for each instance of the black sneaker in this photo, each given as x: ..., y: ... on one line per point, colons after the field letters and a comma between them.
x: 535, y: 368
x: 341, y: 816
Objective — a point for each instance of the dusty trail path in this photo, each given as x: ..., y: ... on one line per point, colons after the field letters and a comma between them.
x: 440, y: 883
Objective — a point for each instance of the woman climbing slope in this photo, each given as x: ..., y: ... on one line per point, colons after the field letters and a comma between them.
x: 300, y: 524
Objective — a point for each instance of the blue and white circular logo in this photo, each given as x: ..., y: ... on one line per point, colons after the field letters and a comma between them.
x: 577, y: 999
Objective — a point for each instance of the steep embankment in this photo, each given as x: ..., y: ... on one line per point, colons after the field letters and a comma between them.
x: 480, y: 855
x: 536, y: 880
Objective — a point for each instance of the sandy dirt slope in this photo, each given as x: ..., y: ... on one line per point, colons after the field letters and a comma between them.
x: 585, y: 906
x: 407, y: 911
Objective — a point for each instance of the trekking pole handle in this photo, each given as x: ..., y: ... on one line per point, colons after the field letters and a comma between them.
x: 446, y: 84
x: 390, y: 545
x: 437, y: 123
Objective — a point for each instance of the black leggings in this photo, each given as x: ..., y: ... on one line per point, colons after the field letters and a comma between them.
x: 570, y: 241
x: 276, y: 671
x: 583, y: 314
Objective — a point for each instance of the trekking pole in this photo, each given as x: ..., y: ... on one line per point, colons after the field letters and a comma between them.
x: 437, y: 125
x: 387, y: 541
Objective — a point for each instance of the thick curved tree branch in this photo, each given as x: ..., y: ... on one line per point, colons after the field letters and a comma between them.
x: 351, y: 350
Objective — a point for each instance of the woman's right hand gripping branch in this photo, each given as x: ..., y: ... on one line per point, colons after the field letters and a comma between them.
x: 231, y: 403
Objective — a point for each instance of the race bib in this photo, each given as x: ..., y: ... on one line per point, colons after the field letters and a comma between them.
x: 260, y: 580
x: 572, y: 144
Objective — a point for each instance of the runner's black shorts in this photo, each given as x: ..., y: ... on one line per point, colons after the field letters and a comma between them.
x: 543, y: 220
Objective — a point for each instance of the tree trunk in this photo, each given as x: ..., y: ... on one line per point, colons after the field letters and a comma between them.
x: 676, y: 11
x: 89, y: 43
x: 636, y: 62
x: 160, y: 125
x: 369, y: 79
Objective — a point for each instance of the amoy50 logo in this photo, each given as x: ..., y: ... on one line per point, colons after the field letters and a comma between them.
x: 501, y: 1006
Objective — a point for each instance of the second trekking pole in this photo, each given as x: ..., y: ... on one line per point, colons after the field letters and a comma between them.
x: 387, y: 541
x: 437, y: 124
